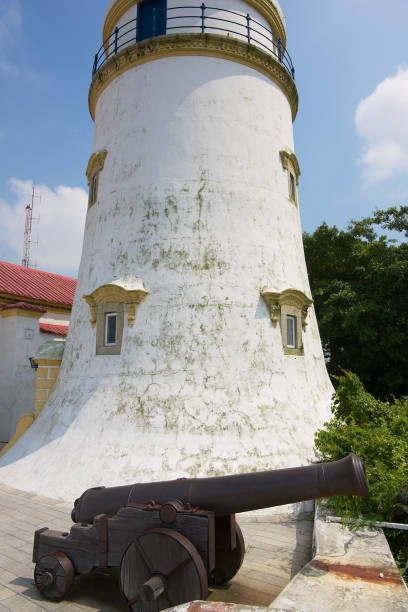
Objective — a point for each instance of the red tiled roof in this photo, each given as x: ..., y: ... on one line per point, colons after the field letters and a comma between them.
x: 23, y: 306
x: 59, y: 330
x: 36, y: 284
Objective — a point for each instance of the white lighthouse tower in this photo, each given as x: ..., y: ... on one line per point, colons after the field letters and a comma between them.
x: 193, y: 347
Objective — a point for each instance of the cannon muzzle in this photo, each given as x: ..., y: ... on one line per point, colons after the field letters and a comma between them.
x: 233, y: 494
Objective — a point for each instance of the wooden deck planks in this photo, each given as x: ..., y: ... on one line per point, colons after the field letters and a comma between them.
x: 275, y: 551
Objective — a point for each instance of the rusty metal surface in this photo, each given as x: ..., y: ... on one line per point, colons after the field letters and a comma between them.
x: 217, y: 606
x: 210, y: 606
x: 352, y: 571
x: 378, y: 575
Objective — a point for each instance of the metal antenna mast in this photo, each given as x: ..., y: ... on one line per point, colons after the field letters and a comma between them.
x: 27, y: 231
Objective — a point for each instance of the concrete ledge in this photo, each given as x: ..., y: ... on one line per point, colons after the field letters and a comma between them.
x: 351, y: 571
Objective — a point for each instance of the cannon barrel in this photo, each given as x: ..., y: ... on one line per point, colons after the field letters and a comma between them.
x: 232, y: 494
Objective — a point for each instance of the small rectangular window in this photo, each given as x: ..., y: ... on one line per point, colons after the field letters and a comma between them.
x: 110, y: 329
x: 292, y: 187
x: 290, y: 331
x: 94, y: 188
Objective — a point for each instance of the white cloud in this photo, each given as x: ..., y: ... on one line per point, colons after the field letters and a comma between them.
x: 381, y: 122
x: 10, y: 21
x: 60, y: 229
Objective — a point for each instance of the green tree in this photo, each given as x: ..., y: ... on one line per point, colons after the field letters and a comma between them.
x: 359, y: 282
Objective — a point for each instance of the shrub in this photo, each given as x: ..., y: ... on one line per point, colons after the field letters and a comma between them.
x: 377, y: 431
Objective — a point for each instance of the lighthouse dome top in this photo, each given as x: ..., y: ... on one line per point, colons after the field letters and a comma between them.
x: 249, y: 32
x: 270, y: 8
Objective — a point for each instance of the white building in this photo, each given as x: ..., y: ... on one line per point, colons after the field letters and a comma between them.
x: 194, y: 348
x: 35, y: 307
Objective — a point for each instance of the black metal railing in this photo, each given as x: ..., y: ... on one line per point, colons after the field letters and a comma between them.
x: 199, y: 18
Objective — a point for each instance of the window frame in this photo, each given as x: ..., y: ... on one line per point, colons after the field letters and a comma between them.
x: 109, y: 308
x: 291, y: 318
x: 119, y: 296
x: 144, y: 12
x: 95, y: 166
x: 291, y: 165
x: 108, y: 316
x: 292, y: 187
x: 93, y: 191
x: 284, y: 304
x: 291, y: 310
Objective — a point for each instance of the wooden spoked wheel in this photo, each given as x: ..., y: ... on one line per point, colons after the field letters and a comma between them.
x: 227, y: 561
x: 161, y: 569
x: 54, y: 575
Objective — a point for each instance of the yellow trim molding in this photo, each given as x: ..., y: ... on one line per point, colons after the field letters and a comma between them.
x: 115, y: 13
x: 21, y: 312
x: 26, y: 420
x: 121, y: 291
x: 95, y: 164
x: 264, y: 7
x: 48, y: 362
x: 289, y: 297
x: 212, y: 45
x: 9, y: 298
x: 293, y: 351
x: 289, y: 160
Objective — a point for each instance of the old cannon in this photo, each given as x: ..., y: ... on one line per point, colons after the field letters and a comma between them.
x: 171, y: 539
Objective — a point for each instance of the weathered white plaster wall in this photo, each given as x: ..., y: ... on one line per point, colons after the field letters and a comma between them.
x: 20, y: 338
x: 28, y: 340
x: 7, y: 374
x: 193, y: 199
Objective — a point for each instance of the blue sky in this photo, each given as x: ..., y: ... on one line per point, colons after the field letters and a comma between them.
x: 351, y: 132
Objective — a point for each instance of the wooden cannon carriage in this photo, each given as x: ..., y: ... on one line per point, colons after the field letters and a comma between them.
x: 171, y: 539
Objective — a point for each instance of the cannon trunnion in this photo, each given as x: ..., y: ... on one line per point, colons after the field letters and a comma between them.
x: 171, y: 549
